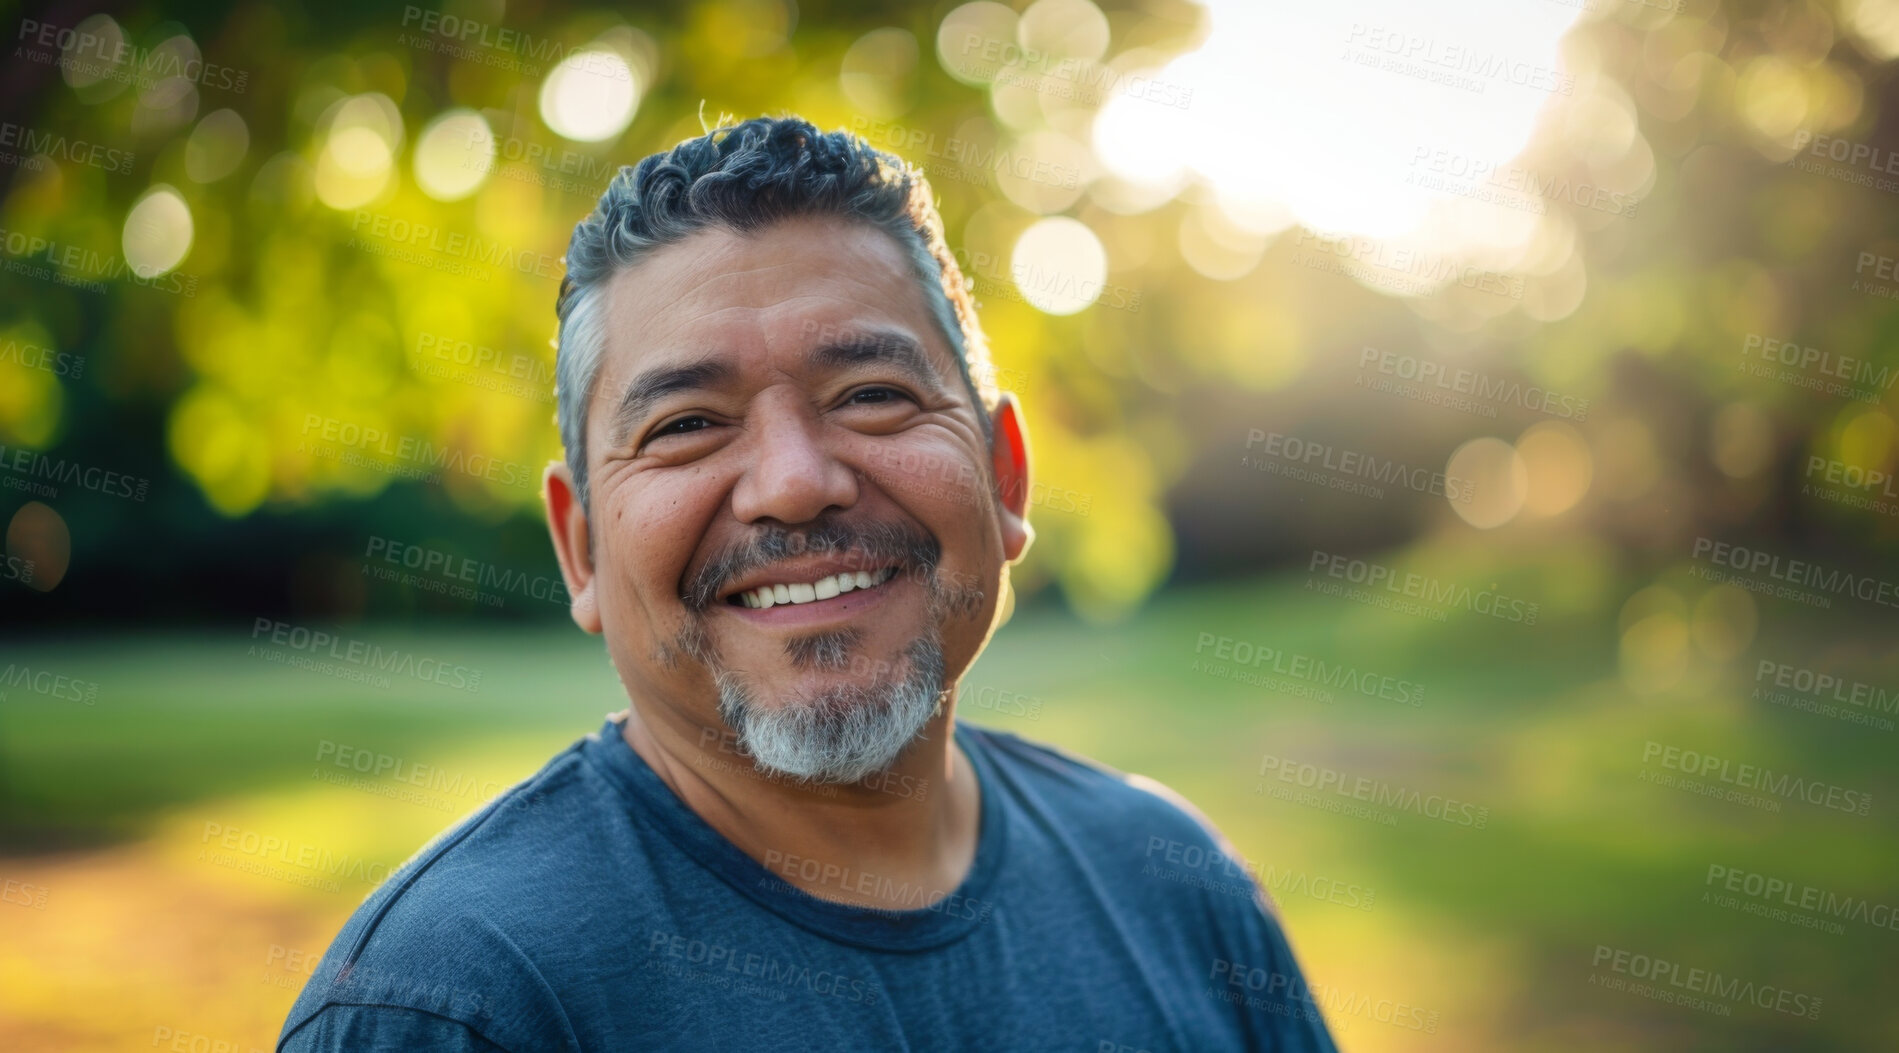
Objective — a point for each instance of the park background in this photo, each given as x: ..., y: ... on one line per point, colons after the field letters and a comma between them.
x: 1578, y: 316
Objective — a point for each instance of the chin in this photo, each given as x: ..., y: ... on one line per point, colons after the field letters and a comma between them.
x: 838, y: 731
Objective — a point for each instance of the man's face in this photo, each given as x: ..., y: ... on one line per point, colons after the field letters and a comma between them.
x: 777, y: 416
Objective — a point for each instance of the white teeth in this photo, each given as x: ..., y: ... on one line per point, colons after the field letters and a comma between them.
x: 808, y: 592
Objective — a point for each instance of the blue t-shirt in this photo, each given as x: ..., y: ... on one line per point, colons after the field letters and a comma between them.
x: 589, y: 909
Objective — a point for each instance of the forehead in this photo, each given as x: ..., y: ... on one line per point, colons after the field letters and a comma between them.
x: 792, y: 284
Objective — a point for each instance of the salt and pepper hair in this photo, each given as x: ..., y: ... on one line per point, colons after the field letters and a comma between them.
x: 744, y: 178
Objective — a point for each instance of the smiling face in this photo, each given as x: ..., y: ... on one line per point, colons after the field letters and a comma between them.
x: 798, y: 525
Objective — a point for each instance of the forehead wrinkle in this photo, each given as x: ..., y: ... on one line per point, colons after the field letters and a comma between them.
x: 711, y: 256
x: 825, y: 290
x: 716, y: 332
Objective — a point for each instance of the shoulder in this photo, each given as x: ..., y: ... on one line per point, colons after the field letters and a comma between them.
x: 1175, y: 880
x: 1120, y: 813
x: 455, y: 935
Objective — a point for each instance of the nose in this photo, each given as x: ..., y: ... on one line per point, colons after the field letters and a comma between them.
x: 793, y: 476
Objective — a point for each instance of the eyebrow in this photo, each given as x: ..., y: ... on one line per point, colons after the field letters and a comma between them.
x: 890, y: 347
x: 885, y: 346
x: 654, y: 385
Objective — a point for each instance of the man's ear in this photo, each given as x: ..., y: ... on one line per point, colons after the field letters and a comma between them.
x: 567, y: 522
x: 1010, y: 461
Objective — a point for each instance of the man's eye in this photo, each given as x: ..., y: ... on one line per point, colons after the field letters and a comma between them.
x: 874, y: 396
x: 682, y: 426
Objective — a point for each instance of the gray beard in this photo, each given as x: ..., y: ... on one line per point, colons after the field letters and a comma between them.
x: 841, y: 735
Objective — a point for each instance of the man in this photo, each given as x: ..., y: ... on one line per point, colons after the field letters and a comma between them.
x: 789, y: 502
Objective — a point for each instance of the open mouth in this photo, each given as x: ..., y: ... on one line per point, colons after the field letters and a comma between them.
x: 779, y: 594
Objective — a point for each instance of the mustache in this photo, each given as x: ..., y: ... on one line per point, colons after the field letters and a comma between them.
x: 876, y: 541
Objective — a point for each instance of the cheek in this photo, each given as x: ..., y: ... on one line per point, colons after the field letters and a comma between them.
x: 933, y: 477
x: 653, y: 530
x: 939, y: 485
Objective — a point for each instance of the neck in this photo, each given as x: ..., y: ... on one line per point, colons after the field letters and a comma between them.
x: 899, y: 840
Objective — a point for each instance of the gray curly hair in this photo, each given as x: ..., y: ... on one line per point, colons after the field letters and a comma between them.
x: 745, y: 177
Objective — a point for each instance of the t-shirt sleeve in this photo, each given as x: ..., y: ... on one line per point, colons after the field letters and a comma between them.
x: 1276, y: 1004
x: 1253, y: 966
x: 378, y: 1028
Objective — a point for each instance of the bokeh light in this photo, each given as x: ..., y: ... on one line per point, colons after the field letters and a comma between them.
x: 878, y: 72
x: 38, y: 534
x: 1741, y: 440
x: 971, y: 39
x: 1059, y: 265
x: 1875, y: 23
x: 91, y: 56
x: 1558, y: 467
x: 361, y: 136
x: 590, y: 96
x: 158, y: 232
x: 1493, y: 482
x: 453, y: 155
x: 1064, y: 29
x: 217, y: 146
x: 1653, y: 651
x: 1352, y: 166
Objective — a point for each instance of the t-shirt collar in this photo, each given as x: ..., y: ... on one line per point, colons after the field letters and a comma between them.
x: 950, y: 918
